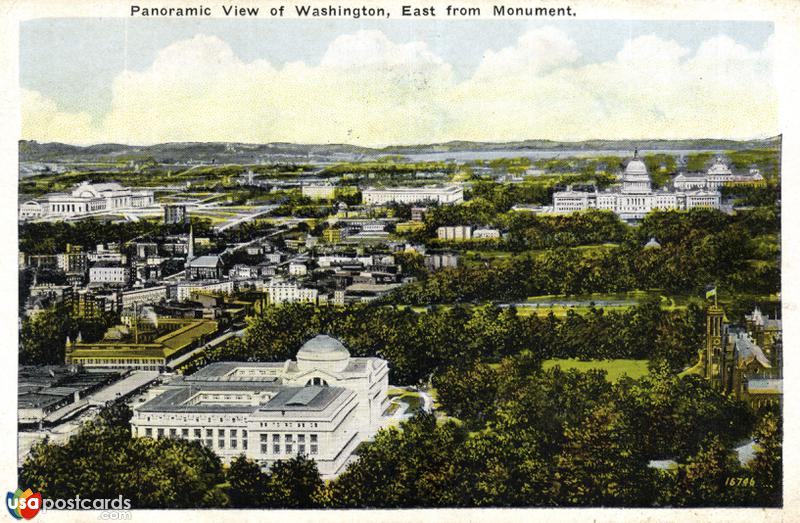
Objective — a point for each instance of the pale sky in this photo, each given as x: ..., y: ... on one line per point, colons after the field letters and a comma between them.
x: 373, y: 82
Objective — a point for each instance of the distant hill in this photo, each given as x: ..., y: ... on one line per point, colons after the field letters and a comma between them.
x: 223, y: 152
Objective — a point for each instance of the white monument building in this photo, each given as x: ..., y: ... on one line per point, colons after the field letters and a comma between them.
x: 447, y: 194
x: 718, y: 174
x: 321, y: 405
x: 635, y: 197
x: 87, y: 198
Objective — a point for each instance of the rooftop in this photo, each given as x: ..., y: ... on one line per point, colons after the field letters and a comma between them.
x: 205, y: 261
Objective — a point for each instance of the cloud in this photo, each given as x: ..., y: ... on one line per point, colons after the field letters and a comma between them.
x: 536, y: 51
x: 370, y: 90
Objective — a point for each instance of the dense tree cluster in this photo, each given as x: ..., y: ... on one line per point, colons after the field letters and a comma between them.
x: 53, y: 237
x: 552, y: 438
x: 696, y: 248
x: 560, y: 438
x: 418, y: 345
x: 104, y: 461
x: 42, y: 336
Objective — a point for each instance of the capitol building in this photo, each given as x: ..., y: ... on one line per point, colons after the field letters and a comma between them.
x: 635, y: 197
x: 321, y: 405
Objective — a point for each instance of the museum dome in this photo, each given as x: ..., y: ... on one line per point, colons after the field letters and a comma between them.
x: 323, y: 352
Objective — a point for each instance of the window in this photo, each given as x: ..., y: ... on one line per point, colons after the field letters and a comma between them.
x: 233, y: 433
x: 244, y: 433
x: 288, y: 448
x: 209, y: 443
x: 160, y: 433
x: 221, y: 443
x: 288, y: 438
x: 263, y: 448
x: 313, y: 449
x: 301, y: 438
x: 233, y: 443
x: 276, y: 438
x: 313, y: 438
x: 264, y: 437
x: 301, y: 449
x: 148, y: 432
x: 276, y: 448
x: 185, y: 433
x: 197, y: 433
x: 221, y: 433
x: 173, y: 433
x: 244, y: 444
x: 209, y: 433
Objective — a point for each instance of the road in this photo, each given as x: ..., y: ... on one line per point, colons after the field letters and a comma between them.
x: 177, y: 362
x: 402, y: 412
x: 260, y: 211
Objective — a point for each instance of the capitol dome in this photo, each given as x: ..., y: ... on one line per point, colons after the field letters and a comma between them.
x: 324, y: 353
x: 636, y: 167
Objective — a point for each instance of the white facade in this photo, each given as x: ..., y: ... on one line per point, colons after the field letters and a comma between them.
x: 319, y: 192
x: 485, y: 233
x: 297, y: 269
x: 449, y: 194
x: 111, y: 274
x: 186, y: 289
x: 322, y: 405
x: 457, y: 232
x: 635, y: 198
x: 290, y: 292
x: 31, y: 210
x: 88, y: 198
x: 326, y: 260
x: 144, y: 296
x: 717, y: 175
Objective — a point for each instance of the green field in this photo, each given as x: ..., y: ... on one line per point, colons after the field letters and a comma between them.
x: 615, y: 369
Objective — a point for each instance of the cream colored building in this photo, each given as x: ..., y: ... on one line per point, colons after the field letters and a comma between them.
x: 321, y: 405
x: 87, y: 198
x: 281, y: 291
x: 718, y: 174
x: 635, y: 197
x: 319, y: 192
x: 447, y: 194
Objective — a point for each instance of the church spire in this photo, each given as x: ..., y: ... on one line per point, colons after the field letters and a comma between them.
x: 190, y: 248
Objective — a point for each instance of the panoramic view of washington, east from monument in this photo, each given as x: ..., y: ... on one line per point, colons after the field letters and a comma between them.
x: 381, y: 263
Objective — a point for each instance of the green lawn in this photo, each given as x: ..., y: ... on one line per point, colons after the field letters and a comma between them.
x: 615, y: 368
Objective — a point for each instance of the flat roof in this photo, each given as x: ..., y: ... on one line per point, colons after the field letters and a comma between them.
x: 311, y: 398
x: 125, y: 386
x: 218, y: 371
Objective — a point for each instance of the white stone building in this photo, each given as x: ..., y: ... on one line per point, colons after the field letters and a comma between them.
x: 110, y: 273
x: 455, y: 232
x: 485, y: 233
x: 447, y: 194
x: 186, y: 289
x: 321, y: 405
x: 298, y: 269
x: 635, y: 197
x: 279, y: 291
x: 718, y: 174
x: 319, y: 192
x: 144, y: 296
x: 87, y: 198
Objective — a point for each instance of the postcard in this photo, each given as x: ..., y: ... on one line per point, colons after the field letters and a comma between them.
x: 342, y: 260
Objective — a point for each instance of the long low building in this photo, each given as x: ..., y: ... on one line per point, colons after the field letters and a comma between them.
x: 635, y: 198
x: 447, y: 194
x: 152, y: 351
x: 87, y: 198
x: 321, y: 405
